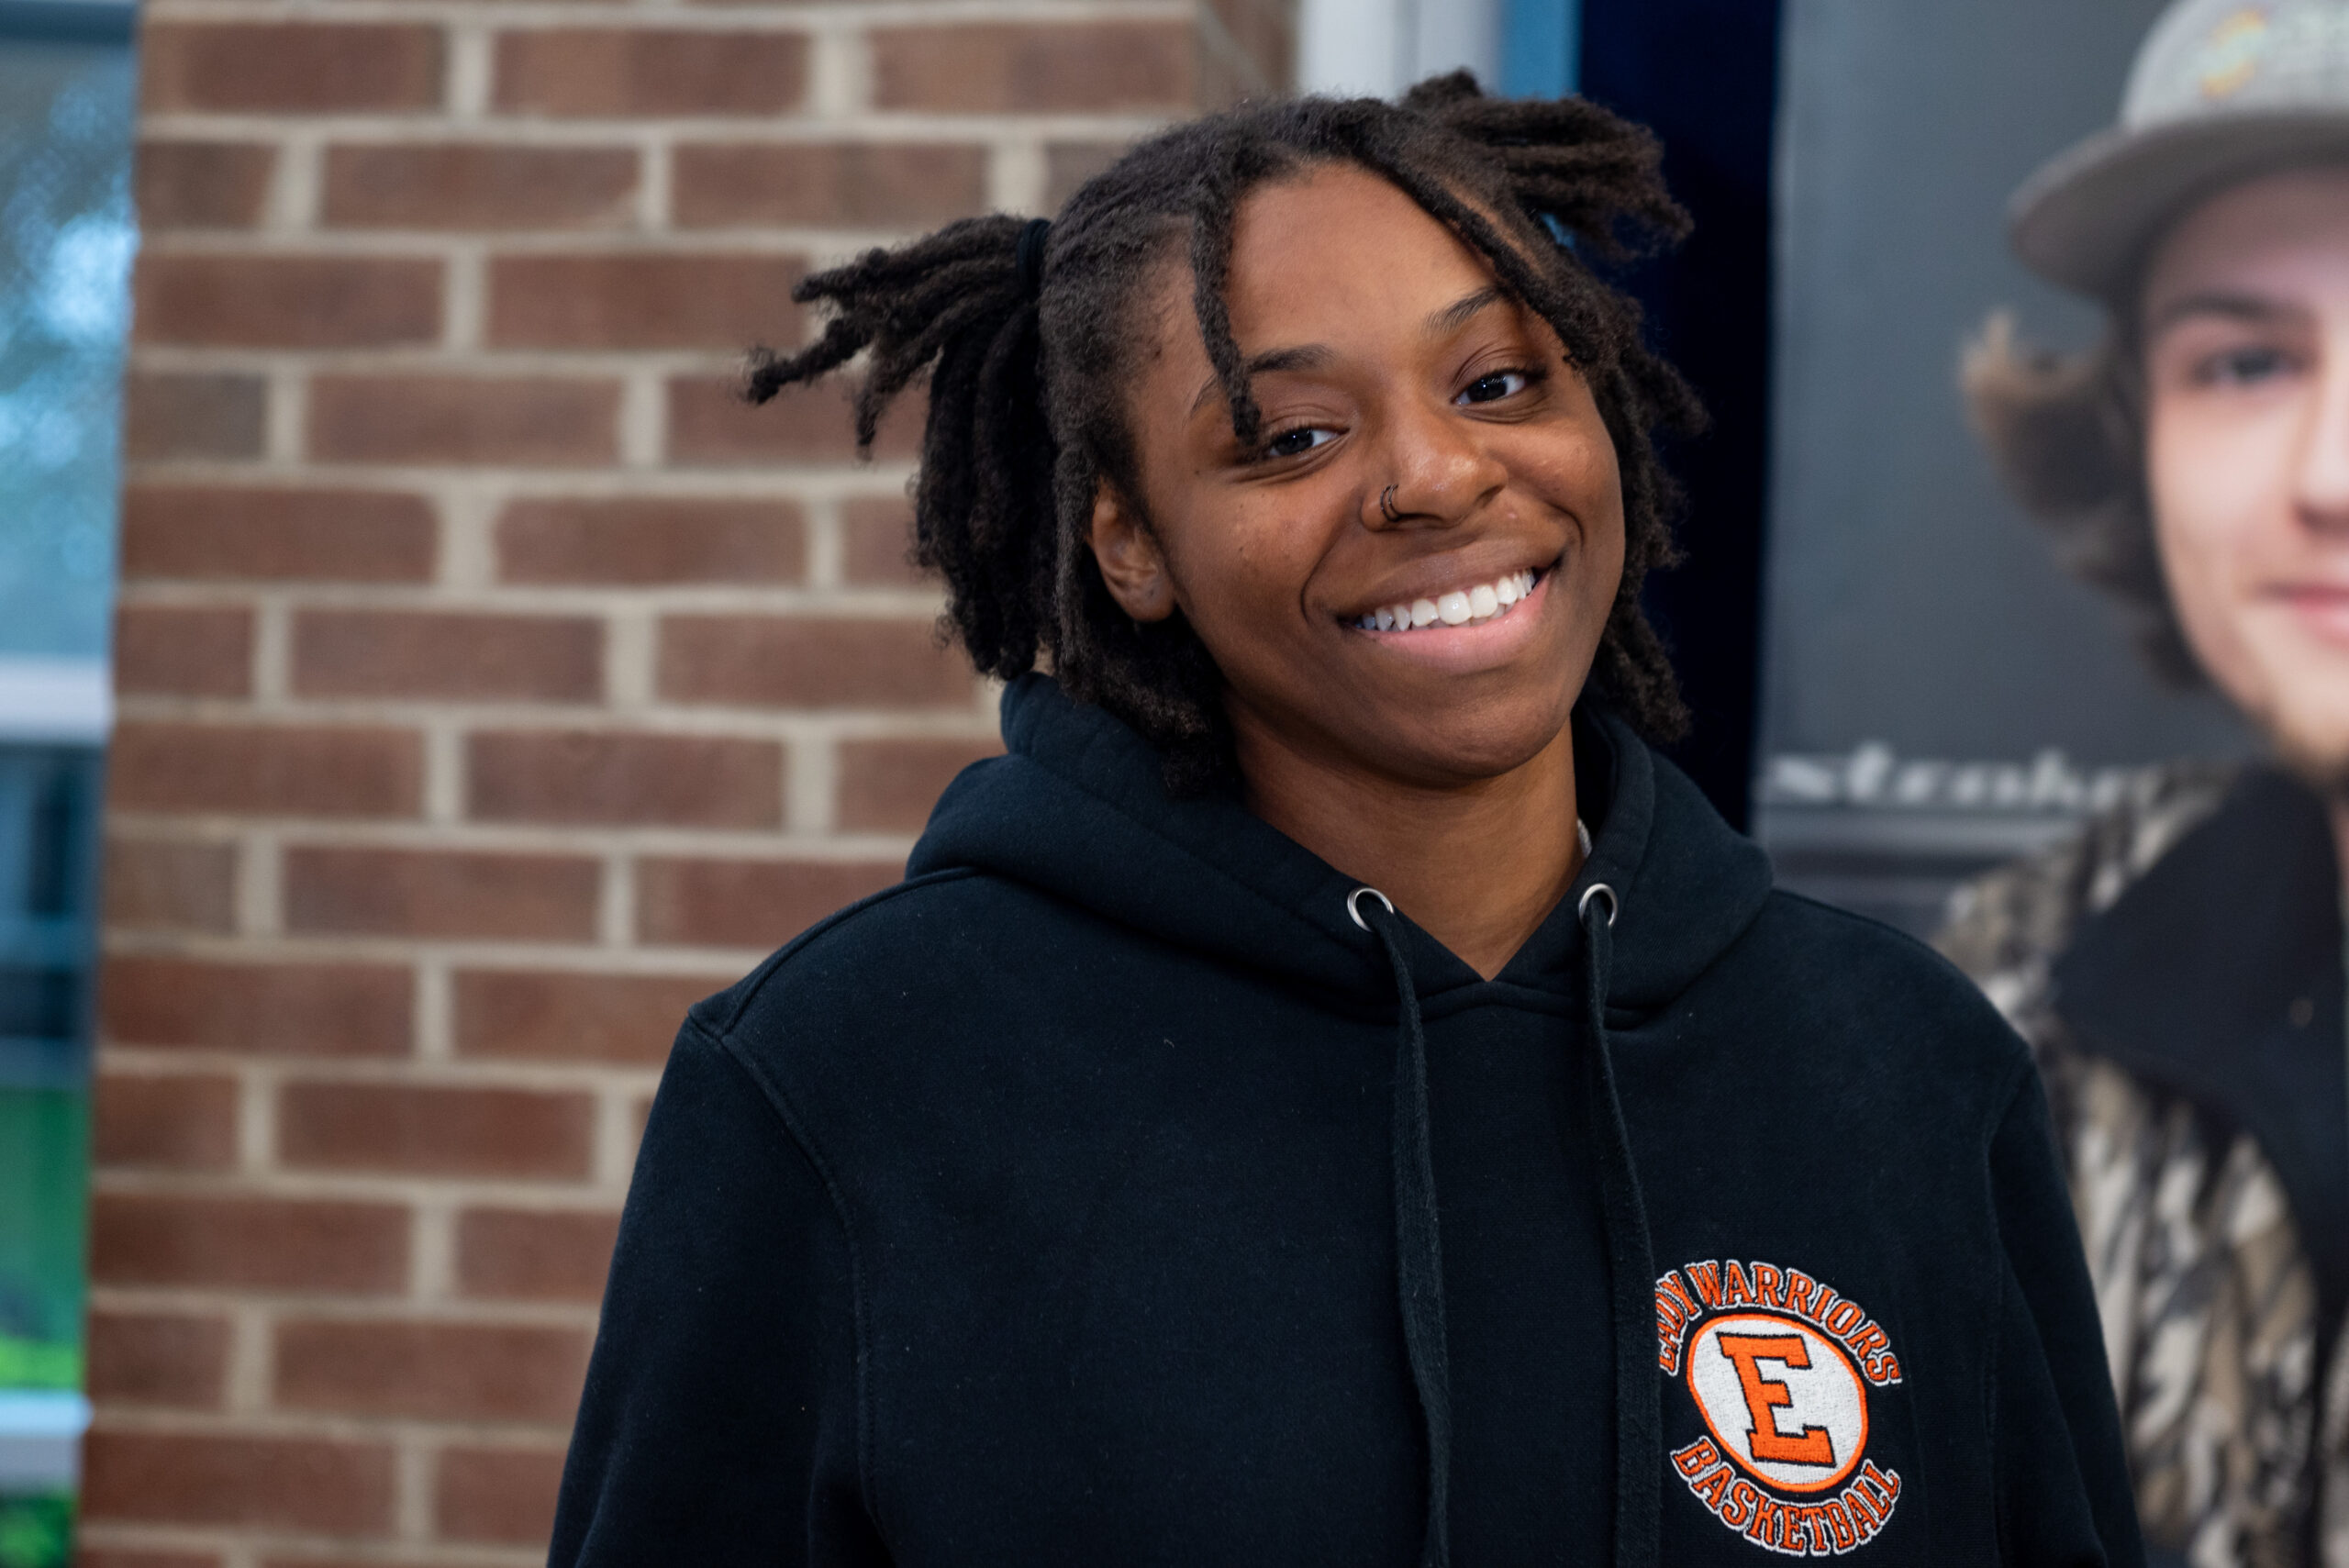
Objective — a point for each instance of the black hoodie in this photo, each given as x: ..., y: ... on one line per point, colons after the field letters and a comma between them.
x: 1107, y: 1194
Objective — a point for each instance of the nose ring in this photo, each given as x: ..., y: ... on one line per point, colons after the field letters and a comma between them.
x: 1386, y: 505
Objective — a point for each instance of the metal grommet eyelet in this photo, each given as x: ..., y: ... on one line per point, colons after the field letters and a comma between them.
x: 1354, y: 901
x: 1582, y: 905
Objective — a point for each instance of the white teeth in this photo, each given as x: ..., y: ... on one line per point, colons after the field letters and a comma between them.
x: 1457, y: 608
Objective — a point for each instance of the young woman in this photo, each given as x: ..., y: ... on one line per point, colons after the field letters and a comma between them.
x: 1332, y: 1094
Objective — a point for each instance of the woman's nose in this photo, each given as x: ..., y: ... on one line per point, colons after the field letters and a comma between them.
x: 1436, y: 470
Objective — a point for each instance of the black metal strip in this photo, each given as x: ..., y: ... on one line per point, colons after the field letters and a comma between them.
x: 67, y: 21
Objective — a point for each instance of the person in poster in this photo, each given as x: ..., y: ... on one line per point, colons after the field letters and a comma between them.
x: 2178, y: 966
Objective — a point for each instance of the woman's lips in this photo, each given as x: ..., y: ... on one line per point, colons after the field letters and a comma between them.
x: 1473, y: 644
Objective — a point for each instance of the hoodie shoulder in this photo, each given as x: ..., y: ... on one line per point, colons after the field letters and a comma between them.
x: 873, y: 945
x: 1857, y: 987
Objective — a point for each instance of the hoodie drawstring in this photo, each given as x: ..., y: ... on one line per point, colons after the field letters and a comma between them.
x: 1419, y: 1249
x: 1639, y: 1440
x: 1631, y: 1260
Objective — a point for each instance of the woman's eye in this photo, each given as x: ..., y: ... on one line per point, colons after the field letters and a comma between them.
x: 2244, y: 367
x: 1494, y: 387
x: 1298, y: 441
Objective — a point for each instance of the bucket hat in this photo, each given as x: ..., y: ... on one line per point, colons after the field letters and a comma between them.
x: 2221, y: 90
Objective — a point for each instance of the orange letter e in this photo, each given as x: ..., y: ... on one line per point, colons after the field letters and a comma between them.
x: 1765, y: 1397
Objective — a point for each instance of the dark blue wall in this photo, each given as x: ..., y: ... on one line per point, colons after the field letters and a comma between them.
x: 1703, y: 74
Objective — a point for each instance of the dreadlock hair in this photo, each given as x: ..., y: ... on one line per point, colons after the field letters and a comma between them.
x: 1029, y: 348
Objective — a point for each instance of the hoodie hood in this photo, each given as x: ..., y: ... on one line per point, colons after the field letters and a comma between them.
x: 1076, y: 809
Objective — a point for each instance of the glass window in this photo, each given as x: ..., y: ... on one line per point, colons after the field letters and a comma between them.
x: 66, y: 238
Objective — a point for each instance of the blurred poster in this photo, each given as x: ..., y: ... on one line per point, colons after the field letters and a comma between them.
x: 1937, y: 697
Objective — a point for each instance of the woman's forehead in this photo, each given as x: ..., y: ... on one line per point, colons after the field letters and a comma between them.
x: 1340, y: 249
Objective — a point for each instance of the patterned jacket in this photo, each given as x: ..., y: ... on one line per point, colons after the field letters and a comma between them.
x: 2177, y: 967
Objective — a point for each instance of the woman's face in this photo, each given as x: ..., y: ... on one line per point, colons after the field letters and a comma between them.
x: 1386, y: 362
x: 2246, y: 334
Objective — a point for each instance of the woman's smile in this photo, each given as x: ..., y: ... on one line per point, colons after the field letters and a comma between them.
x: 1449, y: 607
x: 1460, y: 630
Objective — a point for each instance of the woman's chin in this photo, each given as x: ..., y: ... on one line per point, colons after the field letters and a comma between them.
x: 1462, y: 751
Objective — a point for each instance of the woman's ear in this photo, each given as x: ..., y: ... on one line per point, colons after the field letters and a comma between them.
x: 1130, y: 562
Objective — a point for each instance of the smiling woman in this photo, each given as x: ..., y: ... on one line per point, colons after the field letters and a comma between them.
x: 1268, y: 1123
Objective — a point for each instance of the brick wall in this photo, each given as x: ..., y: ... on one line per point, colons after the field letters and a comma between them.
x: 492, y: 684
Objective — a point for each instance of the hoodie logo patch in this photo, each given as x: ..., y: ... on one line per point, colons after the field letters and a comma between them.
x: 1781, y: 1367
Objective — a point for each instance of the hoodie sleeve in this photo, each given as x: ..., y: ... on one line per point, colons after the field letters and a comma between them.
x: 718, y: 1424
x: 2063, y: 1494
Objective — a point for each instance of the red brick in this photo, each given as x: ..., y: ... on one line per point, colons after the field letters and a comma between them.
x: 154, y: 885
x: 204, y: 533
x: 289, y: 67
x: 157, y: 1358
x: 539, y: 421
x: 877, y: 549
x: 248, y: 1244
x: 646, y: 70
x: 440, y: 893
x: 1068, y: 164
x: 168, y: 415
x: 419, y: 653
x: 876, y: 184
x: 659, y: 300
x: 890, y: 785
x: 314, y: 1484
x: 286, y: 302
x: 266, y: 1009
x: 88, y: 1556
x: 164, y: 1121
x: 202, y: 184
x: 989, y: 68
x: 635, y: 540
x: 710, y: 424
x: 476, y: 186
x: 587, y: 777
x: 242, y: 768
x: 574, y: 1015
x: 498, y: 1495
x: 747, y: 904
x: 520, y: 1255
x: 436, y: 1371
x: 412, y: 1130
x: 168, y: 652
x: 805, y: 661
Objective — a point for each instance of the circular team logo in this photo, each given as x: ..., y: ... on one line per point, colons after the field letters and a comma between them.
x: 1782, y: 1399
x: 1781, y: 1366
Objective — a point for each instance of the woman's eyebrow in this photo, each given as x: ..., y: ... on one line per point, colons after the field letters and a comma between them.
x: 1461, y: 311
x: 1309, y: 356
